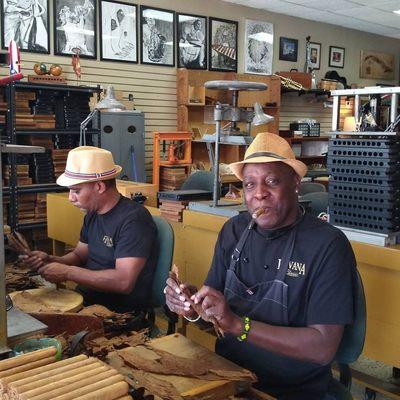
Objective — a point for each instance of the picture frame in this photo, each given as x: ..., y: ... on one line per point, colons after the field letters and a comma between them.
x: 75, y: 28
x: 192, y: 41
x: 157, y: 36
x: 315, y: 55
x: 118, y: 31
x: 27, y: 24
x: 259, y: 47
x: 288, y: 49
x: 336, y: 56
x: 377, y: 65
x: 223, y: 44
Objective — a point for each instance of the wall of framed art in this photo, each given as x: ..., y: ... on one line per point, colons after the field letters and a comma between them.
x: 111, y: 52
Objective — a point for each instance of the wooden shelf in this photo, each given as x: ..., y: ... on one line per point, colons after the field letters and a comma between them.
x: 310, y: 157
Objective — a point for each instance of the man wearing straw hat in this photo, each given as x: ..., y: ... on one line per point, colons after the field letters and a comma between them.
x: 280, y: 284
x: 114, y: 261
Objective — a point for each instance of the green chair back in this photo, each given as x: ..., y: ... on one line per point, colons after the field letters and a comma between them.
x: 165, y: 247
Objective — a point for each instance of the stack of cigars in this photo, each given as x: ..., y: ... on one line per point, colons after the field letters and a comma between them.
x: 38, y: 376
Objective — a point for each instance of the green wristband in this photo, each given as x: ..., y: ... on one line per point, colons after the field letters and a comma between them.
x: 246, y: 329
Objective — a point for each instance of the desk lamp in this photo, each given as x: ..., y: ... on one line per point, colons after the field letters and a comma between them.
x: 109, y: 103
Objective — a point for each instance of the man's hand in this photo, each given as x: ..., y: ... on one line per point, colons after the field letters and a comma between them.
x: 35, y: 259
x: 54, y: 272
x: 175, y: 299
x: 215, y: 305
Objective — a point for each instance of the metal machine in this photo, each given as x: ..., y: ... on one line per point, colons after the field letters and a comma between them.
x: 231, y: 134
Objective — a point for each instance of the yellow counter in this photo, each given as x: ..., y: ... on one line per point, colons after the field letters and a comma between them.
x: 195, y: 239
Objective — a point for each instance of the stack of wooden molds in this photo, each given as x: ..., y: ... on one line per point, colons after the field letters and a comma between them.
x: 59, y: 160
x: 22, y: 175
x: 37, y: 376
x: 172, y: 210
x: 172, y: 177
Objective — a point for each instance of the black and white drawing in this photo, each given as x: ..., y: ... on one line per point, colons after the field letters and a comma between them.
x: 223, y: 45
x: 258, y: 49
x: 118, y: 31
x: 75, y: 27
x: 192, y: 41
x: 157, y: 36
x: 27, y: 23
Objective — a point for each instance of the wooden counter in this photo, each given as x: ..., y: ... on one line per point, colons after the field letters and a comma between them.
x: 195, y: 239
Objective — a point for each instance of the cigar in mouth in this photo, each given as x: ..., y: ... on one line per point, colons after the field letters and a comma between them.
x: 257, y: 213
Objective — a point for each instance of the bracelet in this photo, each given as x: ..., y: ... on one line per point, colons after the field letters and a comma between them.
x: 192, y: 320
x: 246, y: 329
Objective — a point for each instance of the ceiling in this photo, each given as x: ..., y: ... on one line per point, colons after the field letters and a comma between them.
x: 374, y: 16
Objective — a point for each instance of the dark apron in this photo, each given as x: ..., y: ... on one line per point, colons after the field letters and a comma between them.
x: 265, y: 301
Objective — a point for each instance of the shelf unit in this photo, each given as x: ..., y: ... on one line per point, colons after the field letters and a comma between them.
x: 12, y: 135
x: 196, y: 108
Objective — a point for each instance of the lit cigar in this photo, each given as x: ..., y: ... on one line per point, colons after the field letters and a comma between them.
x: 257, y: 213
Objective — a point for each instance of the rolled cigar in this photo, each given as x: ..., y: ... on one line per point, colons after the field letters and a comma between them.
x: 108, y: 389
x: 34, y: 384
x: 68, y: 385
x: 27, y: 358
x: 27, y: 367
x: 47, y: 371
x: 257, y: 213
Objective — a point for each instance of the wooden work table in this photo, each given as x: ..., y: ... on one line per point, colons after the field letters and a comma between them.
x: 195, y: 239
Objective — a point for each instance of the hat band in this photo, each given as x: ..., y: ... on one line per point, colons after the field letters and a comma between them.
x: 80, y: 175
x: 265, y: 154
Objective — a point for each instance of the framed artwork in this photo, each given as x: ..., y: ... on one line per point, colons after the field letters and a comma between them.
x: 288, y: 49
x: 315, y: 55
x: 157, y: 36
x: 376, y: 65
x: 223, y: 45
x: 258, y: 50
x: 336, y: 57
x: 26, y: 22
x: 75, y: 28
x: 118, y: 31
x: 192, y: 41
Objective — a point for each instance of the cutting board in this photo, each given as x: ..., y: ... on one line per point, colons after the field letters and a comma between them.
x: 192, y: 388
x: 47, y: 300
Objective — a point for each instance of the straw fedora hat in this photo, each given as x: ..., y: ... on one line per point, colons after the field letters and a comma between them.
x: 88, y: 164
x: 269, y: 147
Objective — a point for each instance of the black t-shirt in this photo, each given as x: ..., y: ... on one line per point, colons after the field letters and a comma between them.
x: 320, y: 292
x: 127, y: 230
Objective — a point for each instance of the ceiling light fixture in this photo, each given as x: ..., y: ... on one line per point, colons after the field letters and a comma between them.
x: 397, y: 12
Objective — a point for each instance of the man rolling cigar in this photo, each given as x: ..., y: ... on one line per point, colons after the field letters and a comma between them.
x: 115, y: 258
x: 280, y: 283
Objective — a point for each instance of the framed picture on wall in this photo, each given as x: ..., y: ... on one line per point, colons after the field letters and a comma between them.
x: 26, y: 22
x: 223, y: 45
x: 258, y: 50
x: 118, y: 31
x: 315, y: 55
x: 157, y: 36
x: 377, y: 65
x: 288, y: 49
x: 336, y: 57
x: 75, y: 28
x: 192, y: 41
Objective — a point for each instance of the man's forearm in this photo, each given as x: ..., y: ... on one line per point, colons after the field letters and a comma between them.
x: 69, y: 259
x: 108, y: 280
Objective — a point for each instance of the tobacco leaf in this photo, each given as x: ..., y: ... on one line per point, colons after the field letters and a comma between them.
x: 174, y: 275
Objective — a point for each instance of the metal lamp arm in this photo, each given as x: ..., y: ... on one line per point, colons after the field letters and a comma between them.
x: 84, y: 124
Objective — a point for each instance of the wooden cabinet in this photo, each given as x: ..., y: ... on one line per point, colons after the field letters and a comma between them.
x: 196, y: 108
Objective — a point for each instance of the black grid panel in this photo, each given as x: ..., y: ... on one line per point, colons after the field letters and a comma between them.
x: 364, y: 186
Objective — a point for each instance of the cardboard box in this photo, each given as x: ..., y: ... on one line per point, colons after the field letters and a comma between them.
x: 129, y: 188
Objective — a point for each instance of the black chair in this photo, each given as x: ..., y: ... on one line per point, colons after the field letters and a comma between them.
x: 311, y: 187
x: 199, y: 180
x: 318, y: 202
x: 352, y: 343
